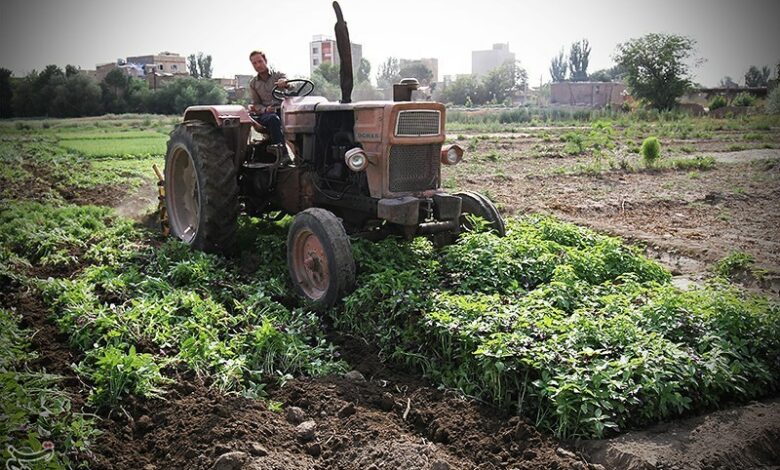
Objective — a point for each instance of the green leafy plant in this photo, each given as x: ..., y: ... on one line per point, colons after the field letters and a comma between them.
x: 717, y: 101
x: 651, y: 151
x: 744, y: 99
x: 734, y: 263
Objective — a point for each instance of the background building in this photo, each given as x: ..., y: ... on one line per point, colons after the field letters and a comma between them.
x: 323, y: 50
x: 591, y: 94
x: 164, y: 62
x: 483, y: 62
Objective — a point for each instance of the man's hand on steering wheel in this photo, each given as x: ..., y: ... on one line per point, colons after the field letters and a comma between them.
x: 286, y: 88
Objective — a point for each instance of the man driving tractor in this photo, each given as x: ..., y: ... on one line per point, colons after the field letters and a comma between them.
x: 264, y: 105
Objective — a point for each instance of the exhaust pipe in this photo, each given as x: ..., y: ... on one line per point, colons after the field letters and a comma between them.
x: 345, y: 55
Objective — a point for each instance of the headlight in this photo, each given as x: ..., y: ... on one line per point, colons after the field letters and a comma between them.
x: 451, y: 154
x: 356, y: 159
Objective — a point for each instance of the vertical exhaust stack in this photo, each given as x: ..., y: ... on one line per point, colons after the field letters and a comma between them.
x: 345, y: 55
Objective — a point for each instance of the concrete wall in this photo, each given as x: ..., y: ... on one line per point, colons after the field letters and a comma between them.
x: 591, y: 94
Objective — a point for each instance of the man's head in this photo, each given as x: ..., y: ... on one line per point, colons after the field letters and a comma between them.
x: 259, y: 62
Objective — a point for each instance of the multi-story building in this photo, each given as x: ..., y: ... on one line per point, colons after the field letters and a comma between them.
x: 323, y: 50
x: 483, y: 62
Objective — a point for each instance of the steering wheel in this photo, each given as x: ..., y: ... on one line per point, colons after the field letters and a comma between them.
x: 297, y: 87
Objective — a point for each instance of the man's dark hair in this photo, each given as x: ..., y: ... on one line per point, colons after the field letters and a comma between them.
x: 254, y: 53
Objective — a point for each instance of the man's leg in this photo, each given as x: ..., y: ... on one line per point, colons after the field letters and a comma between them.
x: 272, y: 122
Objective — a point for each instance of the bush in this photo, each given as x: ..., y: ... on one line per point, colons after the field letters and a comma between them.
x: 651, y: 150
x: 773, y: 101
x: 744, y: 99
x: 717, y: 102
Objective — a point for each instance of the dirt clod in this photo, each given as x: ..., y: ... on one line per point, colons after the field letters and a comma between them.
x: 306, y: 431
x: 231, y: 461
x: 295, y: 415
x: 355, y: 376
x: 256, y: 449
x: 346, y: 410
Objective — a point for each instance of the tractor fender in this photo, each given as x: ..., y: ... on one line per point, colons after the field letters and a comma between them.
x: 227, y: 115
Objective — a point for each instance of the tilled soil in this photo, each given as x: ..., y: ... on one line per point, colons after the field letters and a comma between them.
x: 382, y: 418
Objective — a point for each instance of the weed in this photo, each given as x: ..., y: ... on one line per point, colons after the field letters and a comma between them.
x: 734, y: 263
x: 717, y: 102
x: 651, y: 150
x: 702, y: 163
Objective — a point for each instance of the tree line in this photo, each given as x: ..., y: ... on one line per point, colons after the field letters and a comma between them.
x: 54, y: 92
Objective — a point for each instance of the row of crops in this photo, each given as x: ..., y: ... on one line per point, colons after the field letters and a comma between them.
x: 572, y: 329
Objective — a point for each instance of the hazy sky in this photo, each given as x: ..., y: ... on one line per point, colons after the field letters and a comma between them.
x: 731, y: 35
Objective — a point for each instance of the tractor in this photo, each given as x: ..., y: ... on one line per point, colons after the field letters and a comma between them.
x: 365, y: 169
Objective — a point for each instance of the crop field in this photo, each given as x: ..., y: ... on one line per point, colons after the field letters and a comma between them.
x: 628, y: 292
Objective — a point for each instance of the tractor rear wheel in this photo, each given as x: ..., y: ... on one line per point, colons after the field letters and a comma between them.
x: 201, y: 188
x: 319, y: 258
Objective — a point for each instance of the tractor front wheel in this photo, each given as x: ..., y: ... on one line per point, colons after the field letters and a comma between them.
x: 319, y: 258
x: 476, y: 204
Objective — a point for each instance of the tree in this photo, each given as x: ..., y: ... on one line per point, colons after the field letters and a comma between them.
x: 80, y: 95
x: 24, y: 92
x: 389, y: 73
x: 176, y: 96
x: 199, y: 65
x: 364, y: 70
x: 757, y: 78
x: 329, y: 72
x: 728, y: 82
x: 503, y: 82
x: 607, y: 75
x: 558, y: 68
x: 579, y: 56
x: 71, y: 71
x: 6, y: 94
x: 114, y: 91
x: 192, y: 66
x: 46, y: 89
x: 465, y: 88
x: 656, y: 67
x: 418, y: 70
x: 204, y: 65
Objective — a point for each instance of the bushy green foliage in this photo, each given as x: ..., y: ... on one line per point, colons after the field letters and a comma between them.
x: 744, y: 99
x: 495, y: 87
x: 734, y: 263
x: 656, y: 67
x: 773, y: 101
x: 576, y: 330
x: 33, y: 408
x: 117, y: 373
x: 52, y: 236
x: 718, y: 101
x: 651, y: 150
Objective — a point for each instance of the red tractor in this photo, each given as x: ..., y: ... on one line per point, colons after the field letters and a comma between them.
x: 368, y: 169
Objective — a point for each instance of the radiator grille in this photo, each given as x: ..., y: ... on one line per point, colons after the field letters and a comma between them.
x: 417, y: 123
x: 414, y: 167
